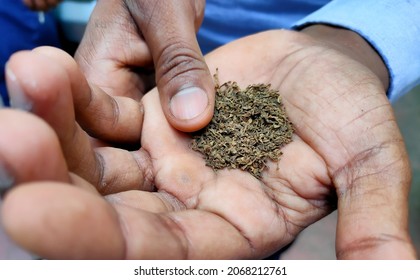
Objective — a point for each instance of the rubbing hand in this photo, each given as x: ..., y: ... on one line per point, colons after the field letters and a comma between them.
x: 41, y: 5
x: 125, y: 40
x: 163, y: 202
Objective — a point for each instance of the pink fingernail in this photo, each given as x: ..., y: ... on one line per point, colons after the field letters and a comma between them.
x: 189, y: 103
x: 17, y: 97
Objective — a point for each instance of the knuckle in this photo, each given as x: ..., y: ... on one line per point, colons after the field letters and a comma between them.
x: 362, y: 247
x: 177, y: 61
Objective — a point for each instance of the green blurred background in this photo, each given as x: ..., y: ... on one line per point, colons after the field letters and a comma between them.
x: 407, y: 110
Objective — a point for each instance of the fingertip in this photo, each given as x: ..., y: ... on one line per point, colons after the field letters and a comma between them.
x: 54, y: 53
x: 67, y: 62
x: 32, y: 76
x: 80, y: 88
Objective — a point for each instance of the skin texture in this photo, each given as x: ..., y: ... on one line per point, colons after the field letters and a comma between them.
x: 143, y: 43
x: 352, y: 45
x: 41, y: 5
x: 161, y: 201
x: 129, y: 39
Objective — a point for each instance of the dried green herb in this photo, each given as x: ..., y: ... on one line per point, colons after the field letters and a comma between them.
x: 248, y: 127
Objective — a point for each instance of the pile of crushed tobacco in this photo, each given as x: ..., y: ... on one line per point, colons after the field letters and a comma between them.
x: 248, y: 127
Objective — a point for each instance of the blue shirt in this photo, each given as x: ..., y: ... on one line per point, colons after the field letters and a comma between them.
x: 225, y: 21
x: 22, y: 29
x: 392, y: 27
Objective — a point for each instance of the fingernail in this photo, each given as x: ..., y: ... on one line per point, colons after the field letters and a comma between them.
x: 6, y: 180
x: 17, y: 97
x: 188, y: 103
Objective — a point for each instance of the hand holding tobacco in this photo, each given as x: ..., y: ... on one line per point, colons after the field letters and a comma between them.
x: 249, y: 127
x: 162, y: 201
x: 143, y: 43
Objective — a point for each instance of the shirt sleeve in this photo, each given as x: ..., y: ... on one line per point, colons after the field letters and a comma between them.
x: 392, y: 27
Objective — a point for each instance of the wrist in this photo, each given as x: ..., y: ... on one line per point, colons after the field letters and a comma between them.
x: 351, y: 44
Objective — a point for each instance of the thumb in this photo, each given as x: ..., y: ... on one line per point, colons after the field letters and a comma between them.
x: 183, y: 79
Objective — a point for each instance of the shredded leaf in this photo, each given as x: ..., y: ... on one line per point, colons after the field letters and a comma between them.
x: 248, y: 127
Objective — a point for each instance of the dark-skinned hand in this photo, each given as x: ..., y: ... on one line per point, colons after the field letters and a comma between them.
x: 72, y: 200
x: 131, y: 44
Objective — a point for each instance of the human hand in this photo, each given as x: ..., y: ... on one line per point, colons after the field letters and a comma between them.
x: 41, y: 5
x: 191, y: 203
x: 347, y: 144
x: 124, y: 40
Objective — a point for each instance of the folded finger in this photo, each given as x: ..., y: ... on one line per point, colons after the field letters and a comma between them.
x: 49, y: 94
x: 114, y: 119
x: 59, y: 221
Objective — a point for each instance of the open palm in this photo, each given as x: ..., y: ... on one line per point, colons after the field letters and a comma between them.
x: 163, y: 202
